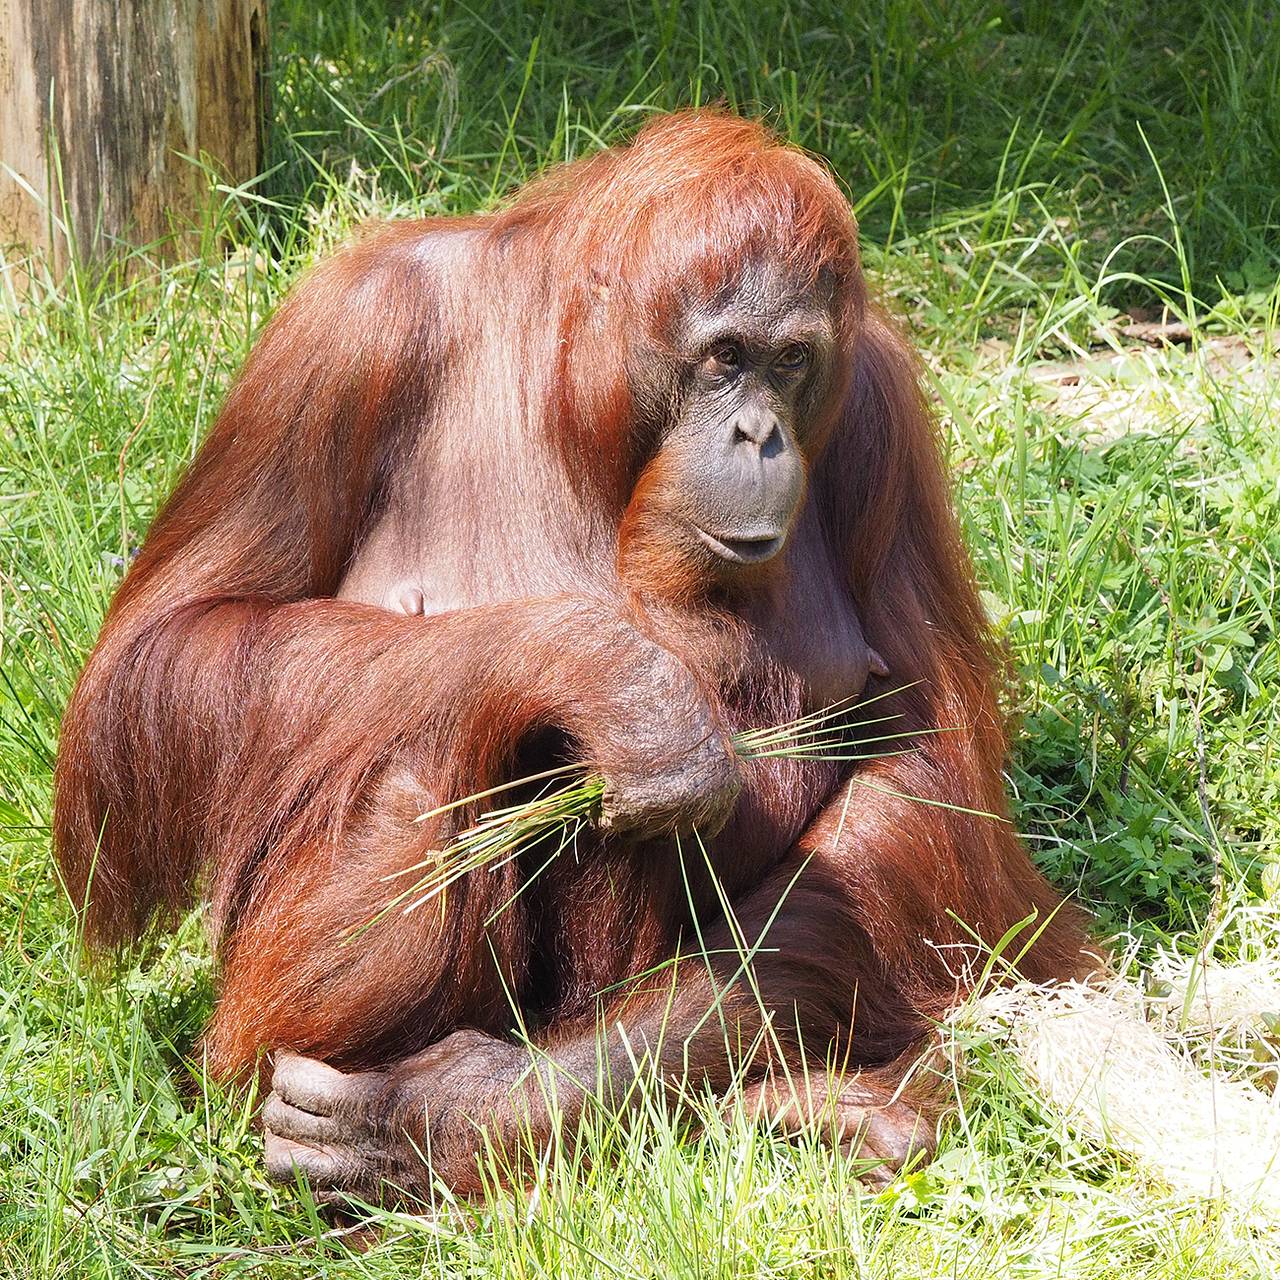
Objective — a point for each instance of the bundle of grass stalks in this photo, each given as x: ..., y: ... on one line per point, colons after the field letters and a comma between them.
x: 567, y: 800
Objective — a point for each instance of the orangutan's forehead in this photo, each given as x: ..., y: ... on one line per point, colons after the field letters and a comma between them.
x: 764, y: 296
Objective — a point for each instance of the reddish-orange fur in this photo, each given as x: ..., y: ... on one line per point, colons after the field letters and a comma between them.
x: 237, y: 723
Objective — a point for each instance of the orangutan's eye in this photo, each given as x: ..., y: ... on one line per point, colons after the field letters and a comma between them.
x: 793, y: 358
x: 723, y: 358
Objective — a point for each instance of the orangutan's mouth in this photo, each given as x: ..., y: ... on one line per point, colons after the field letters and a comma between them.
x: 742, y: 550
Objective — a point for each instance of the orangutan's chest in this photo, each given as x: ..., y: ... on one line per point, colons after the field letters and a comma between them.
x: 809, y: 634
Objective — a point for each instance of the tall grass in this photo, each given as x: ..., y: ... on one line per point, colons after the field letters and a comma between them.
x: 925, y: 109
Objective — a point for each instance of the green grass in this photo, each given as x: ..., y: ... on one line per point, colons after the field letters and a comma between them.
x: 1022, y: 173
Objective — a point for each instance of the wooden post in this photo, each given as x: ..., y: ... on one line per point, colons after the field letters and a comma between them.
x: 100, y: 100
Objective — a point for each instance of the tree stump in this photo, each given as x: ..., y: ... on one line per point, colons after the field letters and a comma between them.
x: 101, y: 100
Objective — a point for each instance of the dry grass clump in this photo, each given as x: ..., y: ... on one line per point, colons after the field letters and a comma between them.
x: 1178, y: 1073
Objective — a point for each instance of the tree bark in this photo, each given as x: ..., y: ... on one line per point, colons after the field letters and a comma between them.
x: 104, y: 105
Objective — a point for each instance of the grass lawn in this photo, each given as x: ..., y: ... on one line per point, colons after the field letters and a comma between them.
x: 1077, y: 211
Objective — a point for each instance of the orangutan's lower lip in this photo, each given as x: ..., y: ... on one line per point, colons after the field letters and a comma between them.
x: 742, y: 550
